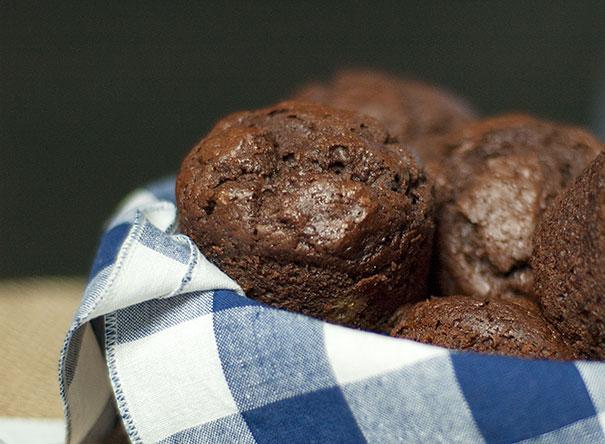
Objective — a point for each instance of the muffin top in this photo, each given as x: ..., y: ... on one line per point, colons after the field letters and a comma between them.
x: 569, y: 262
x: 511, y: 327
x: 562, y: 151
x: 408, y: 108
x: 502, y: 175
x: 303, y: 183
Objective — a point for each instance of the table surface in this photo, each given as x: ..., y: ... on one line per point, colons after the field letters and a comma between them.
x: 35, y: 314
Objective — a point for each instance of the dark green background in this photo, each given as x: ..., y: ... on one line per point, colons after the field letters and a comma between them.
x: 96, y: 100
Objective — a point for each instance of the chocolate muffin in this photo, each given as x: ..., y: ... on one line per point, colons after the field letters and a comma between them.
x: 503, y: 173
x: 504, y: 327
x: 416, y: 113
x: 569, y: 262
x: 311, y: 209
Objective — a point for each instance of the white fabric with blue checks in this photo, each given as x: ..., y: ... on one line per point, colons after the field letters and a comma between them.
x: 188, y: 358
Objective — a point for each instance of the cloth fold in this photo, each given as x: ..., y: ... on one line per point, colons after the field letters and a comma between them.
x: 187, y: 358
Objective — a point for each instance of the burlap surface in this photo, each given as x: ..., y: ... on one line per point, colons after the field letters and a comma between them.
x: 34, y: 317
x: 35, y: 314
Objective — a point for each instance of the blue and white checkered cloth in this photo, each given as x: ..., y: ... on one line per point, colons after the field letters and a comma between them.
x: 188, y: 358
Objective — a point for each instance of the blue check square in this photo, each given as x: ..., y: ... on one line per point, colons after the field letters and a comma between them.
x: 322, y: 416
x: 516, y: 399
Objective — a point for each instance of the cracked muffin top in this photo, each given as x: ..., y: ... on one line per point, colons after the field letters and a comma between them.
x: 303, y: 181
x: 313, y: 190
x: 502, y: 175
